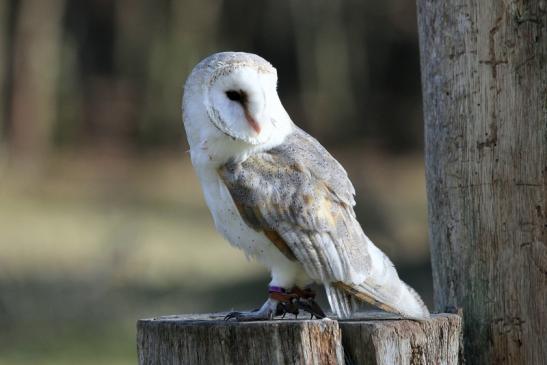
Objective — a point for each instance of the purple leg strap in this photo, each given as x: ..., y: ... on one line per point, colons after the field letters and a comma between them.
x: 276, y: 289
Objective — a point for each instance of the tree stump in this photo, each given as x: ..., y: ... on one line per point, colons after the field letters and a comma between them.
x: 380, y: 338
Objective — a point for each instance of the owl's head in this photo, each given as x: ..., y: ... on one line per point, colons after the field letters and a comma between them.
x: 230, y: 98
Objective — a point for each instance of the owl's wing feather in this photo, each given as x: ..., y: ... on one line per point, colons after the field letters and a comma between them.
x: 301, y: 197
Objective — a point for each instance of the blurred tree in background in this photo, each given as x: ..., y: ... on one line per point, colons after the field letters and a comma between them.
x: 109, y: 73
x: 101, y: 216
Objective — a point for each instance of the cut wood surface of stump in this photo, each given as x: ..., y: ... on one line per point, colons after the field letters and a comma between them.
x: 376, y: 338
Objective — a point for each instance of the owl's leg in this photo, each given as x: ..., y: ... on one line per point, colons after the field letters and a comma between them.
x: 306, y: 296
x: 280, y: 302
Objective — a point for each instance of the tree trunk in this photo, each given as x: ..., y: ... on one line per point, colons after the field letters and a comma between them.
x: 4, y: 13
x: 35, y: 67
x: 379, y: 339
x: 484, y: 88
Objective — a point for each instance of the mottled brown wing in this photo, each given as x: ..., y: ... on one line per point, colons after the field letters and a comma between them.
x: 302, y: 199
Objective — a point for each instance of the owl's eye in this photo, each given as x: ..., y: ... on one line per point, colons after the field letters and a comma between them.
x: 238, y: 96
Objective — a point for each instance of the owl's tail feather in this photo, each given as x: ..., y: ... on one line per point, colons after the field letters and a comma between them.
x: 341, y: 302
x: 402, y: 300
x: 381, y: 288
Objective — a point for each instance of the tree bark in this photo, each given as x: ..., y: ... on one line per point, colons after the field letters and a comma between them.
x: 379, y: 339
x: 484, y: 89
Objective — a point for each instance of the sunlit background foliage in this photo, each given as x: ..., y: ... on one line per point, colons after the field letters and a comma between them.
x: 101, y: 218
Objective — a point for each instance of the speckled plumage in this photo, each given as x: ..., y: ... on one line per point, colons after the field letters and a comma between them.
x: 299, y: 191
x: 277, y: 194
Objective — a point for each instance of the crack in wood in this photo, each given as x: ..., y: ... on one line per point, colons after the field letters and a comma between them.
x: 493, y: 61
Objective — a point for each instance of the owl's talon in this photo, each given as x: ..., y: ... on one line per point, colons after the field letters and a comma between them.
x: 231, y: 315
x: 249, y: 316
x: 264, y: 313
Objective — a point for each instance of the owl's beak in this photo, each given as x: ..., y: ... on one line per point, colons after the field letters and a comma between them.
x: 252, y: 121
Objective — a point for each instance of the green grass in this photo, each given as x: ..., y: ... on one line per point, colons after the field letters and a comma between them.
x: 79, y: 343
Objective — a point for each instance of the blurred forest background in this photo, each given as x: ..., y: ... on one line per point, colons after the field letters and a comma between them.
x: 102, y: 220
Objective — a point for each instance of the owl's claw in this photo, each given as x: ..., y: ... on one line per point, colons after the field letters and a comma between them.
x: 287, y: 307
x: 232, y: 315
x: 306, y: 302
x: 249, y: 316
x: 267, y: 312
x: 264, y: 313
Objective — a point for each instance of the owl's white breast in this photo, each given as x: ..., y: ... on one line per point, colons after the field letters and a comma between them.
x: 231, y: 225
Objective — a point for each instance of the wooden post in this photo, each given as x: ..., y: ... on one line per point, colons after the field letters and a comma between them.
x: 380, y: 339
x: 484, y: 80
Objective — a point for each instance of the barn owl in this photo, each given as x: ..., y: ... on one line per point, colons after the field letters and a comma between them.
x: 277, y: 194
